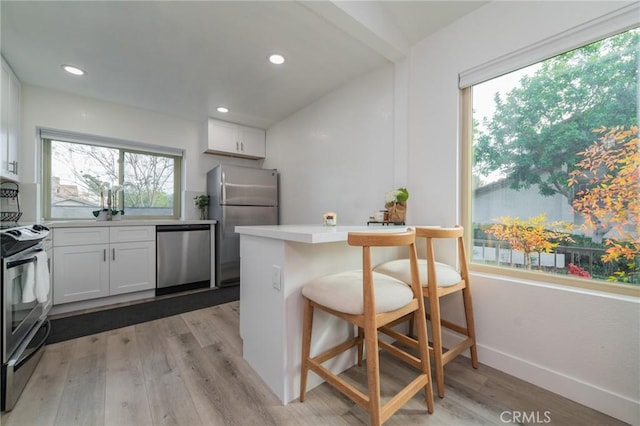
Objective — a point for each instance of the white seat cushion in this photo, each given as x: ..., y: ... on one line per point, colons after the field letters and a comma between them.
x: 446, y: 275
x: 342, y: 292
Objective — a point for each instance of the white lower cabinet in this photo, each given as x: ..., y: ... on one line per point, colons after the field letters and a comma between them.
x: 80, y: 273
x: 132, y: 267
x: 93, y: 262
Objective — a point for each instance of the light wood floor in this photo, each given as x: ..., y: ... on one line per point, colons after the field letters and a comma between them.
x: 188, y: 370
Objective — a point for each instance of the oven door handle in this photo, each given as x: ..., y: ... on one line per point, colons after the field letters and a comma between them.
x: 20, y: 262
x: 26, y: 355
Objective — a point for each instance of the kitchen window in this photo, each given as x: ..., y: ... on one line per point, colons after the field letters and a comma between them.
x: 80, y: 171
x: 553, y: 166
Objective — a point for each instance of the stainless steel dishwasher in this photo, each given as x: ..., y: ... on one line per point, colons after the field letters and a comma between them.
x: 183, y: 257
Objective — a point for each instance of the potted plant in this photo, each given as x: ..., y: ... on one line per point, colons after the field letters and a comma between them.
x: 396, y: 204
x: 202, y: 201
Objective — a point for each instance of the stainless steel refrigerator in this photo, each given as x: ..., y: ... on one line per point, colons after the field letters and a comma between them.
x: 238, y: 196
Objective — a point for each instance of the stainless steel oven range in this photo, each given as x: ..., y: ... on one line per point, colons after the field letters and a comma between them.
x: 26, y: 300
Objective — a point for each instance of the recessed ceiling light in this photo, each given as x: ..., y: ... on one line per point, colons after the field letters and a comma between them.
x: 73, y: 70
x: 276, y: 59
x: 222, y: 109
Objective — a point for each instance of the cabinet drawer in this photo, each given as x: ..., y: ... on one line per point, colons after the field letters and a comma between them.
x: 125, y: 234
x: 80, y: 236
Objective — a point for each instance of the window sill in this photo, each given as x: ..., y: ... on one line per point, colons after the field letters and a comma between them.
x: 541, y: 278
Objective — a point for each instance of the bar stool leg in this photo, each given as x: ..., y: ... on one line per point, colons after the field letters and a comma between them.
x: 360, y: 345
x: 471, y: 328
x: 436, y: 333
x: 307, y: 325
x: 418, y: 317
x: 373, y: 372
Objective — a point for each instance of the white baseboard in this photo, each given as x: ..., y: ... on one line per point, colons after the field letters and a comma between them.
x: 614, y: 405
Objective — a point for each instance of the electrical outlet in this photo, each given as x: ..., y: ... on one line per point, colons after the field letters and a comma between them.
x: 276, y: 277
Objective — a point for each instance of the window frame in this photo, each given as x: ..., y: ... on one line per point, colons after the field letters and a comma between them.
x: 617, y: 22
x: 47, y: 135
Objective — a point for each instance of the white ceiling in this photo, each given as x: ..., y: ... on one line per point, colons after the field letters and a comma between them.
x: 186, y: 58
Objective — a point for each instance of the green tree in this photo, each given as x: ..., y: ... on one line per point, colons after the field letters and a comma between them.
x: 539, y: 126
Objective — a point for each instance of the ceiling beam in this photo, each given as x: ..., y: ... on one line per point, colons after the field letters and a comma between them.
x: 365, y: 21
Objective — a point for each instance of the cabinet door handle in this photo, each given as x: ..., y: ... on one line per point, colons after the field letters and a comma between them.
x: 237, y: 146
x: 104, y: 255
x: 113, y: 255
x: 242, y: 146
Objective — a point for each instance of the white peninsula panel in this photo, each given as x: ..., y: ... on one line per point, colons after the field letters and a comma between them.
x: 275, y: 263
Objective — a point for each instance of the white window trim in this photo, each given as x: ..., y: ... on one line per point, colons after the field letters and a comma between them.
x: 88, y: 139
x: 620, y: 20
x: 85, y: 139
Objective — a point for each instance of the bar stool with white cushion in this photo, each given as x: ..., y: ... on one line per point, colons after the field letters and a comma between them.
x: 370, y: 301
x: 440, y: 279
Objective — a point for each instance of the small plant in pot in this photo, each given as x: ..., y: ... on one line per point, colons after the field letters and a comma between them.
x: 202, y: 201
x: 396, y: 204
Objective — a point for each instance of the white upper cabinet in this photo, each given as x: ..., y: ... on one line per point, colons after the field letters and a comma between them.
x: 9, y: 123
x: 235, y: 140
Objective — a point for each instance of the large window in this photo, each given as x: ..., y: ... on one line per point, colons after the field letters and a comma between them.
x: 79, y: 177
x: 555, y: 165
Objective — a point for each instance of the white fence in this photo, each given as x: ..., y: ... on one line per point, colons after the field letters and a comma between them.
x: 516, y: 258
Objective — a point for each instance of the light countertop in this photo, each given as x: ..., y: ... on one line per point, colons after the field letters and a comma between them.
x: 125, y: 222
x: 312, y: 234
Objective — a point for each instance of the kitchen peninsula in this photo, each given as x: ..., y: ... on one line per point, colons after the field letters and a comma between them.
x: 275, y: 263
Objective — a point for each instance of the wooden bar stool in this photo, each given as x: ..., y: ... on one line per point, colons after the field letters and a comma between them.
x: 441, y: 279
x: 370, y: 301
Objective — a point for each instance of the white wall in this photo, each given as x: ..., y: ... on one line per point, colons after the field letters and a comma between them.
x: 65, y: 111
x: 337, y: 154
x: 580, y: 344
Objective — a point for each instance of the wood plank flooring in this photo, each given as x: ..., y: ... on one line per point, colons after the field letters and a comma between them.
x: 188, y: 370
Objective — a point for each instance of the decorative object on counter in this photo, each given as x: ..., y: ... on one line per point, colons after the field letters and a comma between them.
x: 111, y: 212
x: 117, y: 214
x: 396, y: 204
x: 100, y: 214
x: 380, y: 216
x: 329, y: 219
x: 384, y: 223
x: 109, y: 204
x: 10, y: 190
x: 202, y: 201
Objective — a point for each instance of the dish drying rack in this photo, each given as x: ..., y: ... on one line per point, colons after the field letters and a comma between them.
x: 10, y: 190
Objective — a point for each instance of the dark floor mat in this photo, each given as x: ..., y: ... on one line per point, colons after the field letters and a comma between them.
x: 96, y: 322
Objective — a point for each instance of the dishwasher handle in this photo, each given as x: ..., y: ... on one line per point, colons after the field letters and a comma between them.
x: 182, y: 228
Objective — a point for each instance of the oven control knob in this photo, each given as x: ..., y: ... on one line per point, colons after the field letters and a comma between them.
x: 40, y: 228
x: 14, y: 232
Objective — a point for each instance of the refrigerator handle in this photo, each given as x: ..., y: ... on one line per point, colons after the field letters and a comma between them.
x: 223, y: 222
x: 223, y: 188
